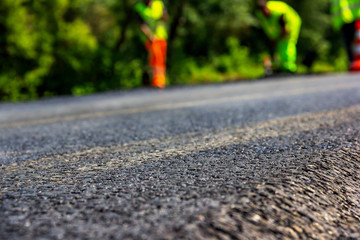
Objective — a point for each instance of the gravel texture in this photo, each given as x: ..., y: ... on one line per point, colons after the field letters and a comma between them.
x: 263, y: 160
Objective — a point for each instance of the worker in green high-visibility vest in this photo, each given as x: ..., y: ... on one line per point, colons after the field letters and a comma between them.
x: 154, y: 16
x: 345, y: 13
x: 282, y: 25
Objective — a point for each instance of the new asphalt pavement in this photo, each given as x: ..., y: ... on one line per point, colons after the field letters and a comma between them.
x: 271, y: 159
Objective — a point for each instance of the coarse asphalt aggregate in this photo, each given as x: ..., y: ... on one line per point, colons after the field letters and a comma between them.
x: 271, y: 159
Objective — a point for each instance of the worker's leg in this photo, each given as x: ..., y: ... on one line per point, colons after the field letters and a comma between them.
x: 158, y: 63
x: 147, y: 75
x: 348, y: 33
x: 286, y: 52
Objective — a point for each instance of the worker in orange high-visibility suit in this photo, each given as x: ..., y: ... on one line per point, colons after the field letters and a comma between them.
x: 154, y: 15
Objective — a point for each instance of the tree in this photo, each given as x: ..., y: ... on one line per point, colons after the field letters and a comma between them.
x: 84, y: 46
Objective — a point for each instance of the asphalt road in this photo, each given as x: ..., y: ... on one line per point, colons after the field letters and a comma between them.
x: 271, y: 159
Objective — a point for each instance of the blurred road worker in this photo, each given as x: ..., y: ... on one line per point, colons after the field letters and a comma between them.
x: 154, y: 16
x: 345, y: 15
x: 282, y: 25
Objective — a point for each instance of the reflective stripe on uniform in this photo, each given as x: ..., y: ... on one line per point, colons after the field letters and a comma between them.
x: 357, y: 50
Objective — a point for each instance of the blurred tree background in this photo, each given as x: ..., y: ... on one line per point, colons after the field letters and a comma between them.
x: 78, y: 47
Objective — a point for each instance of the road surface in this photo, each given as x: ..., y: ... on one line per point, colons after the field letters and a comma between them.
x: 272, y: 159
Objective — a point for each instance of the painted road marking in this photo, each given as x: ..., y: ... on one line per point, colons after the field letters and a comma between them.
x: 131, y: 154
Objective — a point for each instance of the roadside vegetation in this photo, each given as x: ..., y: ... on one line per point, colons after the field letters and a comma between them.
x: 78, y: 47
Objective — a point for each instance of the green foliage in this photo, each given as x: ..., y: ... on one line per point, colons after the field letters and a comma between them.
x: 79, y: 47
